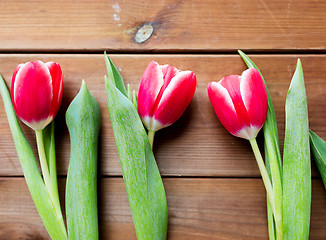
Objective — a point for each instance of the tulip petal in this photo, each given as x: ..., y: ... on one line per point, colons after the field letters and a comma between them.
x: 56, y: 74
x: 248, y: 132
x: 152, y: 124
x: 169, y: 72
x: 224, y: 108
x: 150, y: 86
x: 12, y: 92
x: 176, y: 98
x: 32, y: 92
x: 232, y: 85
x: 15, y: 72
x: 254, y: 97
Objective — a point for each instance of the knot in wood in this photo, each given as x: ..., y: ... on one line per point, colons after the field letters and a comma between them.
x: 144, y: 33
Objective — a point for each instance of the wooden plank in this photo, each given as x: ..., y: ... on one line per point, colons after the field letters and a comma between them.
x: 177, y: 25
x: 198, y: 209
x: 197, y: 145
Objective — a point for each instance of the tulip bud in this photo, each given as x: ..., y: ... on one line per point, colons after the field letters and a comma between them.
x: 240, y: 103
x: 164, y: 94
x: 36, y: 92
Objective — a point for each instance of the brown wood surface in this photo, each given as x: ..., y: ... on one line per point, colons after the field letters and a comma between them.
x: 212, y: 182
x: 178, y: 25
x: 198, y: 209
x: 197, y: 145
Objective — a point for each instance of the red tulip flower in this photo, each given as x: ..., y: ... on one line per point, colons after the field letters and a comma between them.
x: 36, y: 92
x: 240, y: 103
x: 164, y: 94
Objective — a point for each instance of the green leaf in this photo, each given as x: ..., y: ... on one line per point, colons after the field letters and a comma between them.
x: 142, y: 178
x: 271, y: 222
x: 273, y: 159
x: 114, y: 75
x: 52, y: 221
x: 296, y: 161
x: 318, y: 150
x: 83, y: 119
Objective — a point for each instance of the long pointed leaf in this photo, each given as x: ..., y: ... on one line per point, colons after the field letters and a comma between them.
x: 296, y: 161
x: 83, y: 119
x: 114, y: 75
x: 142, y: 179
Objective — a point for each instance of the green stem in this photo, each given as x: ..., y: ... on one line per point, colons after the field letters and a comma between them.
x: 151, y: 135
x: 50, y: 184
x: 43, y: 161
x: 263, y: 172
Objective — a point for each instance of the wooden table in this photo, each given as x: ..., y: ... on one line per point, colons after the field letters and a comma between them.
x: 212, y: 182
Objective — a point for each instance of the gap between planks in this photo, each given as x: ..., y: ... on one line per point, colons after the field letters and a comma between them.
x: 171, y: 52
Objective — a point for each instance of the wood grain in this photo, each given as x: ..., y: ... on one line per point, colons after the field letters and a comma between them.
x: 196, y: 145
x: 198, y: 209
x: 178, y: 25
x: 212, y: 182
